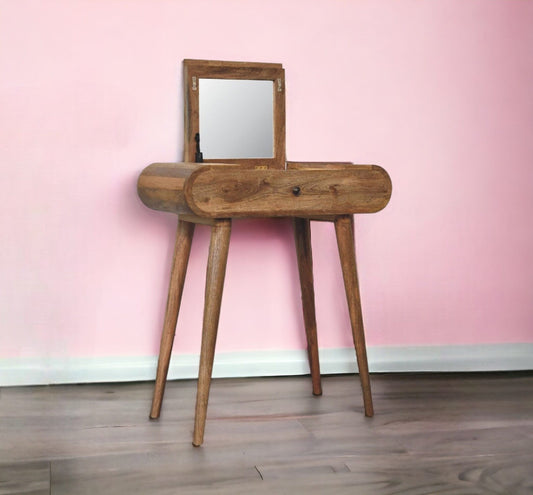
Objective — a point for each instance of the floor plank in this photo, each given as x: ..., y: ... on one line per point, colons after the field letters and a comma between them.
x: 28, y: 478
x: 449, y: 434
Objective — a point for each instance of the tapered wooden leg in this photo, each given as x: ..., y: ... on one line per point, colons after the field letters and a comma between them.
x: 216, y: 270
x: 182, y: 250
x: 302, y: 236
x: 345, y: 240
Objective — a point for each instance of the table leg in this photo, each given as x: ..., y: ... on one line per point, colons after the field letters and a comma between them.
x: 302, y: 235
x: 346, y: 243
x: 216, y: 270
x: 182, y: 249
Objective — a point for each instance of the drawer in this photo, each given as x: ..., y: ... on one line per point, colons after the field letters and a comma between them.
x: 218, y: 193
x: 229, y: 191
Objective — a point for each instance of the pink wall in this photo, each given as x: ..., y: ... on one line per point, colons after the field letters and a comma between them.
x: 437, y: 92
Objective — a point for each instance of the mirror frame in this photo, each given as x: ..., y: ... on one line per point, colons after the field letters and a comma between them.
x: 193, y: 70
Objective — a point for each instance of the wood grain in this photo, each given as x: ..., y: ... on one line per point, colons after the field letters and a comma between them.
x: 346, y: 244
x: 160, y: 186
x: 233, y: 192
x: 319, y: 165
x: 29, y: 478
x: 434, y: 433
x: 229, y: 190
x: 302, y: 236
x: 235, y: 70
x: 182, y: 249
x: 216, y: 270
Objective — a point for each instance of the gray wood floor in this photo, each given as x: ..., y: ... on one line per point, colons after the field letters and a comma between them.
x: 448, y: 433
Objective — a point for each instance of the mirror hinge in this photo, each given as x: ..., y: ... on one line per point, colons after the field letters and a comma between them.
x: 194, y: 84
x: 280, y: 88
x: 198, y: 156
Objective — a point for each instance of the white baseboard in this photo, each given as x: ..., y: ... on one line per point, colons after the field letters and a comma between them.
x: 382, y: 359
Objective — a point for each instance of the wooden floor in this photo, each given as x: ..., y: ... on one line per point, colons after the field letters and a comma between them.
x: 442, y: 434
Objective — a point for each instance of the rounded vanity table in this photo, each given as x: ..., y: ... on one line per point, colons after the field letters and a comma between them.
x: 235, y: 167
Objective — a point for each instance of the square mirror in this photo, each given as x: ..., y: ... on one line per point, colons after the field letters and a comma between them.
x: 235, y: 113
x: 236, y: 118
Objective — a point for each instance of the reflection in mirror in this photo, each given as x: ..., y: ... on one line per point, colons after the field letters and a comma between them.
x: 236, y: 118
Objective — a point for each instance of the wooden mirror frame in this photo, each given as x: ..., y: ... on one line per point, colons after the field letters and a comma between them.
x: 193, y: 70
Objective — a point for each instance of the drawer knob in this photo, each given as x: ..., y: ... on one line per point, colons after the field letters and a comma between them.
x: 296, y: 191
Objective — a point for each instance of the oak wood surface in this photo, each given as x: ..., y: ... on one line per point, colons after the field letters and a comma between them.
x: 302, y: 237
x: 228, y: 190
x: 234, y: 70
x: 182, y: 249
x: 211, y: 66
x: 319, y: 165
x: 346, y: 244
x: 433, y: 433
x: 237, y: 192
x: 160, y: 186
x: 216, y: 270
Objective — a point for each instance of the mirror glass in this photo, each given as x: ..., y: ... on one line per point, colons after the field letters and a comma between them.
x: 236, y: 118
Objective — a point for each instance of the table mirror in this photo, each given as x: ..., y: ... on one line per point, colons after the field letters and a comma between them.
x: 235, y: 111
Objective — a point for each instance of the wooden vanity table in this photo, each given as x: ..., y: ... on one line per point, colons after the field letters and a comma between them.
x: 226, y: 175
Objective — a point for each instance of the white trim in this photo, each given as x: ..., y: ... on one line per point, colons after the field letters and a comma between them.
x: 382, y: 359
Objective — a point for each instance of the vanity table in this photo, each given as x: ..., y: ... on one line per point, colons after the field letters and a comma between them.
x: 235, y: 167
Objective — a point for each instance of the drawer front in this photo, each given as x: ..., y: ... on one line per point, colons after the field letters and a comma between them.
x: 217, y: 192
